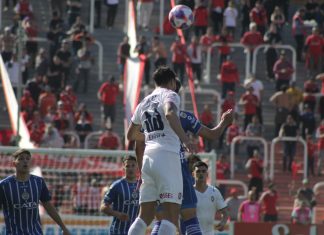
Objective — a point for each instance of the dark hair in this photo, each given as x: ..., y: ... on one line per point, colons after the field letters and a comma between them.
x: 199, y: 164
x: 163, y: 75
x: 20, y: 152
x: 129, y: 158
x: 178, y: 86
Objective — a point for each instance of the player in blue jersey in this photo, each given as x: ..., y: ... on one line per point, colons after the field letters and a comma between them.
x: 20, y: 195
x: 189, y: 221
x: 121, y: 200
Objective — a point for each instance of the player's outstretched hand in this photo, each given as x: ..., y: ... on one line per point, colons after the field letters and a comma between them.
x: 190, y: 146
x: 123, y: 216
x: 228, y: 117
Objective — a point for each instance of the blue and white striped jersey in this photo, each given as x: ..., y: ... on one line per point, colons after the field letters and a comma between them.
x: 124, y: 198
x: 20, y: 201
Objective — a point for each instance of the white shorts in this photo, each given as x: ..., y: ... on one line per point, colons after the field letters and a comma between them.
x: 161, y: 177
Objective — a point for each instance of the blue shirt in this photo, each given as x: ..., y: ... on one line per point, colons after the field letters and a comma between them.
x: 124, y: 198
x: 20, y: 202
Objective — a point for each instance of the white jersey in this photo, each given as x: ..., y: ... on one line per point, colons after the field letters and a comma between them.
x: 150, y: 114
x: 208, y: 203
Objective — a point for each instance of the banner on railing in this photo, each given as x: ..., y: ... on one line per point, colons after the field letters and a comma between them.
x: 277, y: 229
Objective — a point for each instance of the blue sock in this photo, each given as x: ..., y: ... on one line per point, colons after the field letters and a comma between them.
x: 192, y: 226
x: 156, y: 227
x: 182, y: 227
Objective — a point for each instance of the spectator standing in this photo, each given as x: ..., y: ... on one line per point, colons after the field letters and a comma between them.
x: 65, y: 57
x: 107, y: 94
x: 258, y: 89
x: 179, y: 55
x: 83, y: 126
x: 31, y: 32
x: 272, y: 37
x: 85, y: 62
x: 217, y: 8
x: 69, y: 99
x: 7, y: 43
x: 314, y: 48
x: 283, y: 104
x: 224, y: 49
x: 252, y: 39
x: 299, y: 32
x: 112, y: 7
x: 73, y: 10
x: 232, y: 131
x: 233, y: 204
x: 207, y: 119
x: 206, y: 41
x: 6, y: 6
x: 36, y: 127
x: 311, y: 89
x: 194, y: 52
x: 283, y: 71
x: 144, y: 50
x: 144, y: 10
x: 223, y: 172
x: 255, y: 167
x: 46, y: 99
x: 229, y: 76
x: 34, y: 86
x: 259, y: 15
x: 159, y: 51
x: 245, y: 12
x: 250, y: 209
x: 320, y: 142
x: 269, y: 201
x: 58, y: 6
x: 296, y: 97
x: 27, y: 103
x: 55, y: 75
x: 41, y: 64
x: 98, y: 13
x: 289, y: 129
x: 308, y: 193
x: 200, y: 20
x: 23, y: 9
x: 109, y: 140
x: 230, y: 18
x: 55, y: 37
x: 61, y: 118
x: 253, y: 129
x: 278, y: 19
x: 311, y: 149
x: 250, y: 102
x: 123, y: 53
x: 320, y: 77
x: 13, y: 69
x: 56, y: 20
x: 308, y: 121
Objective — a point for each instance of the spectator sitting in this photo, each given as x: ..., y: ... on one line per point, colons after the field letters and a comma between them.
x: 46, y: 99
x: 27, y: 103
x: 61, y: 119
x: 81, y: 40
x: 41, y: 63
x: 109, y: 140
x: 36, y: 128
x: 83, y: 127
x: 233, y: 204
x: 52, y: 138
x: 50, y: 114
x: 250, y: 209
x: 308, y: 193
x: 69, y: 100
x: 82, y: 111
x: 301, y: 214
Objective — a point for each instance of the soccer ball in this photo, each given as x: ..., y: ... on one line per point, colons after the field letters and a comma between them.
x: 181, y: 17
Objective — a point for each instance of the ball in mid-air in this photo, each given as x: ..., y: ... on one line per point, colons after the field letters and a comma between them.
x: 181, y: 17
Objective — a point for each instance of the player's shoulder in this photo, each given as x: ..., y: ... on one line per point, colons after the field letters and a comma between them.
x: 117, y: 183
x: 35, y: 177
x: 7, y: 180
x: 213, y: 190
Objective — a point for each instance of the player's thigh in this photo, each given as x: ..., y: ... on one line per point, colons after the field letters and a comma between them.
x: 168, y: 177
x: 170, y: 212
x: 147, y: 211
x: 188, y: 213
x: 148, y: 190
x: 189, y: 195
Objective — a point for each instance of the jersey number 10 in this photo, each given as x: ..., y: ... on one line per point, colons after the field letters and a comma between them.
x: 153, y: 122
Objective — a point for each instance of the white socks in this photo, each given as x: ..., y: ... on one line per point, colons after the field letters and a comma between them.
x: 167, y: 228
x: 138, y: 227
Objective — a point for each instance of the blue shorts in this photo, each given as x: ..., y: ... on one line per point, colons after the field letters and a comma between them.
x: 189, y: 199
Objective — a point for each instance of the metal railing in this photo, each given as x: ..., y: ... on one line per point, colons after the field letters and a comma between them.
x: 285, y: 138
x: 100, y: 59
x: 287, y: 47
x: 254, y: 138
x: 217, y: 44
